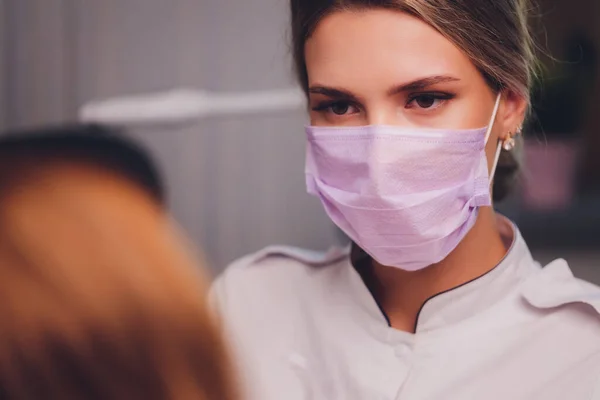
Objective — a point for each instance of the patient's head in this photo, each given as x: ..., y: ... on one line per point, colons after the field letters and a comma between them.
x: 100, y: 298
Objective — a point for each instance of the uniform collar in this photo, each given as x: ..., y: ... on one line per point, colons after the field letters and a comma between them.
x: 471, y: 298
x: 483, y: 292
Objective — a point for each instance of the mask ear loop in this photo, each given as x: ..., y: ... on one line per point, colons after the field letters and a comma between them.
x: 487, y: 136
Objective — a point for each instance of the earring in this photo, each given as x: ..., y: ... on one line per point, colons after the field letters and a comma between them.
x: 509, y: 143
x: 520, y: 130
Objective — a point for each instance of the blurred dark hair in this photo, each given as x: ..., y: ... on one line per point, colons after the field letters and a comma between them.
x: 493, y: 33
x: 96, y: 144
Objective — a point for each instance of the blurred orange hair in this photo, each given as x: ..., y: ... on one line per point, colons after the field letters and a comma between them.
x: 99, y: 298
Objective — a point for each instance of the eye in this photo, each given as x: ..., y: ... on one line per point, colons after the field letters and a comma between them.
x: 338, y: 108
x: 425, y: 101
x: 428, y: 101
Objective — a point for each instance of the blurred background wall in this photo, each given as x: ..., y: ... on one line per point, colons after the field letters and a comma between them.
x: 236, y: 183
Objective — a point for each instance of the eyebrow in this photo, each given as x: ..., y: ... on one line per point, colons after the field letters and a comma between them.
x: 422, y: 83
x: 335, y: 93
x: 419, y: 84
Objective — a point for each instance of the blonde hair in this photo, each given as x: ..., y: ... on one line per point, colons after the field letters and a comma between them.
x: 100, y: 299
x: 493, y: 33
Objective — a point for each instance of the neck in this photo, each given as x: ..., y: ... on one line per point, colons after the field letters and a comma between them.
x: 401, y: 293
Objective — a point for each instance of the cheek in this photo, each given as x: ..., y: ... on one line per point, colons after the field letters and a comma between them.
x: 474, y: 109
x: 318, y: 120
x: 492, y: 144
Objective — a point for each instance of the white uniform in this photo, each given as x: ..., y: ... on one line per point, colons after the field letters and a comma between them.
x: 305, y: 327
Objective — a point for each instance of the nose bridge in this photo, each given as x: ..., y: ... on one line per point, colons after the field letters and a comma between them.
x: 384, y: 111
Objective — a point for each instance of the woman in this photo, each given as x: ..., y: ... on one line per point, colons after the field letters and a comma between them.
x: 413, y: 103
x: 99, y: 299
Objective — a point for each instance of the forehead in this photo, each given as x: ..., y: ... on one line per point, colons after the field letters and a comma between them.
x: 366, y: 46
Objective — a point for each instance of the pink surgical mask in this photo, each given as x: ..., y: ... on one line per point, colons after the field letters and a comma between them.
x: 406, y: 196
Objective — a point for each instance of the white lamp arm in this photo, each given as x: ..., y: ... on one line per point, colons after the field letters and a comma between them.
x: 186, y: 105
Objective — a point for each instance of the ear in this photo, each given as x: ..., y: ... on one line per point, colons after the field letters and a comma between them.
x: 511, y: 113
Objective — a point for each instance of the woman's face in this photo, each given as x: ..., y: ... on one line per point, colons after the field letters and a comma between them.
x: 384, y: 67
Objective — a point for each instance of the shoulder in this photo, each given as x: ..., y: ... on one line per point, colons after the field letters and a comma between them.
x: 566, y: 322
x: 277, y: 265
x: 555, y: 288
x: 274, y: 275
x: 263, y: 300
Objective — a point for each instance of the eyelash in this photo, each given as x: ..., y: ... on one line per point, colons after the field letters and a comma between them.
x: 326, y: 105
x: 443, y: 96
